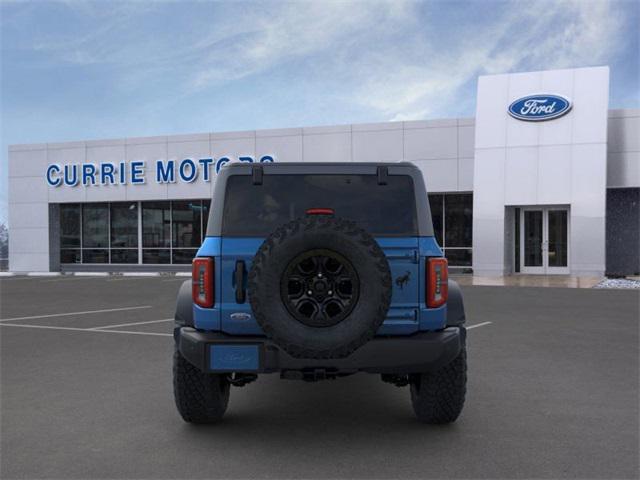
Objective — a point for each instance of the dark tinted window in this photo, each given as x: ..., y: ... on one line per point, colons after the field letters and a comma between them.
x: 206, y: 206
x: 458, y: 257
x: 186, y: 219
x: 69, y: 226
x: 70, y: 256
x: 453, y: 225
x: 183, y: 255
x: 437, y: 209
x: 124, y: 225
x: 156, y: 224
x: 126, y: 255
x: 157, y: 255
x: 256, y: 210
x: 458, y: 220
x: 95, y: 226
x: 95, y: 255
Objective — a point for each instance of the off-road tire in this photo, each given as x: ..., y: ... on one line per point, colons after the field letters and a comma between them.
x: 438, y: 397
x: 345, y: 238
x: 200, y: 397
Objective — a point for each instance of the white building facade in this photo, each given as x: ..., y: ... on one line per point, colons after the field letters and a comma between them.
x: 544, y: 180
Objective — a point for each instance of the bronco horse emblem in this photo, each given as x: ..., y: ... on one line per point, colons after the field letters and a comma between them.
x: 403, y: 280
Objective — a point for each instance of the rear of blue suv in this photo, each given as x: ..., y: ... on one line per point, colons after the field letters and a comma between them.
x: 318, y: 271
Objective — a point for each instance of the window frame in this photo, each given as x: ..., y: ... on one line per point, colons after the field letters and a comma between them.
x: 226, y: 230
x: 443, y: 200
x: 139, y: 249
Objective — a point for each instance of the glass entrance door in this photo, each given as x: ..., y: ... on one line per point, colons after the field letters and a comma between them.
x: 557, y: 242
x: 533, y: 242
x: 544, y: 240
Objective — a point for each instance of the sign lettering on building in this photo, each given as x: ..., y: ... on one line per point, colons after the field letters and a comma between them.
x: 138, y: 172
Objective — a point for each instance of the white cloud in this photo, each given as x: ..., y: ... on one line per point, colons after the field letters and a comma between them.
x: 391, y: 57
x: 293, y: 31
x: 540, y: 36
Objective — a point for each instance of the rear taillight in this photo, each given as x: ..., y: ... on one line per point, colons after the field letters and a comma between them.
x: 437, y: 282
x: 202, y: 282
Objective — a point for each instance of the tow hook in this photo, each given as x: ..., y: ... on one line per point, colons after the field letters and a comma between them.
x: 397, y: 380
x: 241, y: 379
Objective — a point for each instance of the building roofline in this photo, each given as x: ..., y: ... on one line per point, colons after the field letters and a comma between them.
x: 304, y: 131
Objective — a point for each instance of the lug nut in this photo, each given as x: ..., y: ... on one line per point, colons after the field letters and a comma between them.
x: 330, y: 292
x: 319, y: 275
x: 309, y: 292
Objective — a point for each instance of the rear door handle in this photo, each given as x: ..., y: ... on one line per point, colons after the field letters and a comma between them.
x: 238, y: 276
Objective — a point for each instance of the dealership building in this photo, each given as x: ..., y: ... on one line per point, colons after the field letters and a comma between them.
x: 544, y: 180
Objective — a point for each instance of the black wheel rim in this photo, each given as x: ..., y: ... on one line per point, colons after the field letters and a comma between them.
x: 319, y: 288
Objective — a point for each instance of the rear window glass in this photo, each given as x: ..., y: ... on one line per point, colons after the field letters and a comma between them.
x: 257, y: 210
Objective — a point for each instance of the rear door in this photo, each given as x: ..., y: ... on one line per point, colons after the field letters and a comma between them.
x: 403, y: 257
x: 237, y: 254
x: 252, y: 212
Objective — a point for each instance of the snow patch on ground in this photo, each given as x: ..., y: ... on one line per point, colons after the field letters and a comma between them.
x: 618, y: 283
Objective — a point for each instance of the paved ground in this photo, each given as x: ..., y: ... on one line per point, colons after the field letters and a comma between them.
x: 521, y: 280
x: 553, y: 393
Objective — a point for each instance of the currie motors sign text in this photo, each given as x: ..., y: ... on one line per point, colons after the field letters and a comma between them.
x: 136, y: 172
x: 536, y: 108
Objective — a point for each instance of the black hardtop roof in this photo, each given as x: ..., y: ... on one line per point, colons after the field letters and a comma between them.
x: 277, y: 165
x: 214, y: 226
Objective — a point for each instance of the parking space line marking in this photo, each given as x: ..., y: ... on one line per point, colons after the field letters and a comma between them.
x: 74, y: 313
x: 132, y: 324
x: 478, y: 325
x: 76, y: 329
x: 17, y: 279
x: 69, y: 278
x: 120, y: 278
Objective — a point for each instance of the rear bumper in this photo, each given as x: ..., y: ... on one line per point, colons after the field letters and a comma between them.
x: 419, y: 352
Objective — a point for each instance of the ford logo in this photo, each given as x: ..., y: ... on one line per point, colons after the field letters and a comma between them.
x: 535, y: 108
x: 236, y: 358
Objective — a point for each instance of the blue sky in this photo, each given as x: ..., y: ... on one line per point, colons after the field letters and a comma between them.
x: 83, y: 70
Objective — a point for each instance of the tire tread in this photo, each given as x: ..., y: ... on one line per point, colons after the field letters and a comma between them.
x: 438, y: 397
x: 200, y: 397
x: 339, y: 226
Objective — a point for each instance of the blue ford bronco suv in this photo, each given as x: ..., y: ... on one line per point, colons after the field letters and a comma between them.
x: 318, y: 271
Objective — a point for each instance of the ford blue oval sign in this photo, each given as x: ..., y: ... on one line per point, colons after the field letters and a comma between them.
x: 536, y: 108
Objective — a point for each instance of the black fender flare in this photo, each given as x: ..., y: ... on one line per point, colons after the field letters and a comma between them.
x: 184, y: 306
x: 455, y: 306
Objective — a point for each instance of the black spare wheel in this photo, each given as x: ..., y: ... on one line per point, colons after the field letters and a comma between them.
x: 320, y: 287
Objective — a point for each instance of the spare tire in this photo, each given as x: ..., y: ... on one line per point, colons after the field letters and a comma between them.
x: 320, y: 287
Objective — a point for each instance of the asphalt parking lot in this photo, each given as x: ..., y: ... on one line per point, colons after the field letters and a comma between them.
x: 86, y: 393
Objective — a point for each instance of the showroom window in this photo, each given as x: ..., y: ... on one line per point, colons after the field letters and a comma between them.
x: 95, y: 233
x: 124, y: 232
x: 156, y: 232
x: 186, y: 232
x: 132, y: 232
x: 452, y: 215
x: 70, y: 238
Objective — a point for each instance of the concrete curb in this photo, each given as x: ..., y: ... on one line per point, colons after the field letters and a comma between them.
x: 140, y: 274
x: 96, y: 274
